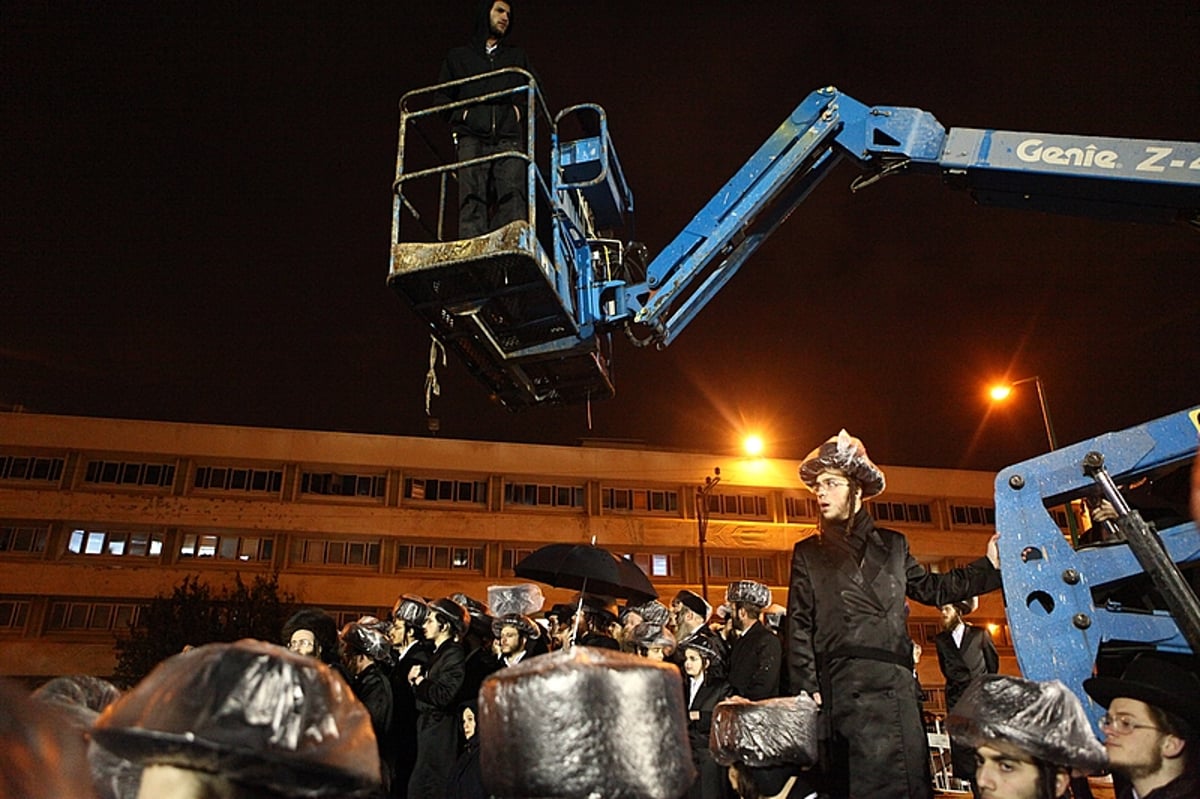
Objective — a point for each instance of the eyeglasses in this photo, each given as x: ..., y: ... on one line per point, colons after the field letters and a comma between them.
x: 830, y: 483
x: 1122, y: 725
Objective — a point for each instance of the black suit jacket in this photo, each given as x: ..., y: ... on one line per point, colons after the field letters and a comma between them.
x: 960, y: 665
x: 754, y: 664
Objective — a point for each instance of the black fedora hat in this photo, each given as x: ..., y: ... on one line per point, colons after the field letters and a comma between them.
x: 1156, y: 681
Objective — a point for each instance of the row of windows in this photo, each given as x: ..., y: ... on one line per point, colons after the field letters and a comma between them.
x: 436, y: 490
x: 226, y: 547
x: 657, y: 564
x: 24, y: 538
x: 117, y: 544
x: 973, y: 515
x: 753, y: 505
x: 545, y: 496
x: 646, y: 500
x: 745, y: 567
x: 22, y: 467
x: 13, y: 614
x: 222, y: 478
x: 917, y: 513
x: 474, y: 492
x: 109, y: 616
x: 324, y: 552
x: 155, y: 475
x: 343, y: 485
x: 800, y: 507
x: 441, y: 558
x: 94, y: 616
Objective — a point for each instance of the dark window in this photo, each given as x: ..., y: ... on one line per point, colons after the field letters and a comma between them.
x: 977, y: 515
x: 154, y: 475
x: 29, y: 539
x: 448, y: 491
x: 441, y: 558
x: 223, y: 478
x: 340, y: 553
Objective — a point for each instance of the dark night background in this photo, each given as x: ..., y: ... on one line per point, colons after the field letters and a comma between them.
x: 197, y: 196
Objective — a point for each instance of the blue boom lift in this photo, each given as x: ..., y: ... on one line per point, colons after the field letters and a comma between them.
x: 530, y: 308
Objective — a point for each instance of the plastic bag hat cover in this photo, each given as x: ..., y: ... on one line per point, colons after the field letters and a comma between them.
x: 83, y: 690
x: 252, y: 712
x: 42, y: 753
x: 770, y: 732
x: 648, y: 634
x: 846, y: 453
x: 80, y: 696
x: 653, y: 611
x: 750, y: 592
x: 410, y: 609
x: 453, y: 612
x: 585, y: 723
x: 707, y: 645
x: 367, y: 639
x: 525, y: 599
x: 1043, y: 719
x: 525, y: 625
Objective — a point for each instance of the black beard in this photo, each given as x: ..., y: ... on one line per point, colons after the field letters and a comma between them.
x: 495, y: 34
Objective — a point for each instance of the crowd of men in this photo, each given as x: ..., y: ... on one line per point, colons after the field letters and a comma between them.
x: 418, y: 671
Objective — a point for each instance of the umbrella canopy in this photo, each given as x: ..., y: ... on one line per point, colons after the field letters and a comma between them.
x: 587, y: 567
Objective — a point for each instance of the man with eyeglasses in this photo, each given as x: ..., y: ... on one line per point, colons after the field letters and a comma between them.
x: 1151, y: 728
x: 848, y: 644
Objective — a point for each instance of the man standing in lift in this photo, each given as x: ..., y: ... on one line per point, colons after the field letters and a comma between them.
x: 492, y: 126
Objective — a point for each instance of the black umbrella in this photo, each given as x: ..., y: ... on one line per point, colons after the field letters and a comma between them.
x: 587, y: 567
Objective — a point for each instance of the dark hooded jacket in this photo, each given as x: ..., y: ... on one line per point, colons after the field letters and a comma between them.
x: 499, y: 117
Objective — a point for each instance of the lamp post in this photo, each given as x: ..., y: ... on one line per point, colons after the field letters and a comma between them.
x: 710, y: 482
x: 1001, y: 392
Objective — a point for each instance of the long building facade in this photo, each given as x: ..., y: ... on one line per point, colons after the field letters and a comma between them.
x: 99, y: 515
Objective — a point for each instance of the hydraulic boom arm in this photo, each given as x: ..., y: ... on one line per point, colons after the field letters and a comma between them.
x: 1129, y: 179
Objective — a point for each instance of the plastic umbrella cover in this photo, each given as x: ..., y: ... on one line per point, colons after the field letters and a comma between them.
x: 583, y: 723
x: 770, y: 732
x: 252, y: 712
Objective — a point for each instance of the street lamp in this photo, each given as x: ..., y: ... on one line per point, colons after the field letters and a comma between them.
x: 710, y: 482
x: 753, y: 445
x: 1000, y: 392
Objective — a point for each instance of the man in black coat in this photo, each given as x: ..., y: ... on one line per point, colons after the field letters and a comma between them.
x: 964, y: 652
x: 365, y: 652
x: 437, y: 688
x: 489, y: 127
x: 409, y: 648
x: 848, y: 643
x: 756, y: 656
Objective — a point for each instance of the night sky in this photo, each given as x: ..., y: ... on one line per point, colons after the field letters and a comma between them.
x: 197, y: 199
